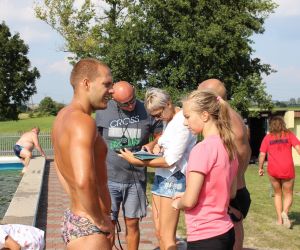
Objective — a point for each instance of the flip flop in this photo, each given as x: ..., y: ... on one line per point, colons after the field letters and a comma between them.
x: 286, y: 221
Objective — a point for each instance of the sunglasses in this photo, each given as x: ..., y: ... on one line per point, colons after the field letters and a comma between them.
x: 126, y: 104
x: 159, y: 114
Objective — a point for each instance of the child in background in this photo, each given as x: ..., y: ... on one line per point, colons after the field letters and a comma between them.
x: 211, y: 173
x: 16, y: 237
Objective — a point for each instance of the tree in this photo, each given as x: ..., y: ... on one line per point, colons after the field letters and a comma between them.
x: 292, y: 102
x: 49, y: 107
x: 17, y: 80
x: 173, y: 44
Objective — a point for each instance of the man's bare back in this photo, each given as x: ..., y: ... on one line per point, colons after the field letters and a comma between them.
x: 79, y: 155
x: 24, y: 146
x: 243, y: 147
x: 27, y: 140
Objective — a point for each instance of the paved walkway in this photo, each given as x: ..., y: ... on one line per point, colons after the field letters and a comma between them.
x: 54, y: 201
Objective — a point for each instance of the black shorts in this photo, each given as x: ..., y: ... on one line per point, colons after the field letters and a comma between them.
x: 221, y: 242
x: 17, y: 150
x: 241, y: 202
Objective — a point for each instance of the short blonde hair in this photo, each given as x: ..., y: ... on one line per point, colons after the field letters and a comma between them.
x: 156, y: 98
x: 37, y: 128
x: 85, y: 68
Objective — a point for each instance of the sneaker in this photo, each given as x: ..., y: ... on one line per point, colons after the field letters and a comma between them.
x: 286, y: 221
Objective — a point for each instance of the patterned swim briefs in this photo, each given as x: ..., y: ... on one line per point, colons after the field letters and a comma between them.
x: 74, y: 227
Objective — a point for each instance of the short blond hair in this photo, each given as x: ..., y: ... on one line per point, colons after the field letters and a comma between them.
x: 85, y: 68
x: 156, y: 98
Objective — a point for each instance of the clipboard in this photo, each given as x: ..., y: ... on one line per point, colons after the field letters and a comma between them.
x: 144, y: 155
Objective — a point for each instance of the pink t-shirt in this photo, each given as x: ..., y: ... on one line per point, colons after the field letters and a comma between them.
x: 209, y: 218
x: 280, y: 159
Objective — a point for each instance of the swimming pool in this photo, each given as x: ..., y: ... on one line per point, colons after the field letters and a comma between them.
x: 11, y: 166
x: 9, y: 181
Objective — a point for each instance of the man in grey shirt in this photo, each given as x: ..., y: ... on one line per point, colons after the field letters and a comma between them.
x: 126, y: 124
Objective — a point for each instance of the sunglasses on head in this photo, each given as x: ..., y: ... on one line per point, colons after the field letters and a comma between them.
x: 126, y: 104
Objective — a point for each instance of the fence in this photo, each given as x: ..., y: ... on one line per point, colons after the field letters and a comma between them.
x: 7, y: 142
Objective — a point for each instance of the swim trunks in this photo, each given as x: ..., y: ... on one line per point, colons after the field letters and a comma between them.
x: 241, y: 202
x: 17, y: 150
x: 74, y: 227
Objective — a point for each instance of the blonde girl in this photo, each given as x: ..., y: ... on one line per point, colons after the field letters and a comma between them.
x: 211, y: 173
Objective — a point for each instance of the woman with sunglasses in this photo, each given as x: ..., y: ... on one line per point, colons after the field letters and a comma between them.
x: 175, y: 145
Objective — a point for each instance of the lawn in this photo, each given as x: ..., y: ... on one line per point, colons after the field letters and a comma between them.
x: 12, y: 127
x: 25, y: 123
x: 260, y: 227
x: 261, y: 231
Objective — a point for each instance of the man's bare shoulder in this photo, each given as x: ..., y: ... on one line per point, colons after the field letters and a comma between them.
x: 27, y: 136
x: 238, y: 126
x: 74, y: 121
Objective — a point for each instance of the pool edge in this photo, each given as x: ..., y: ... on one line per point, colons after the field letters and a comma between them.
x: 23, y: 207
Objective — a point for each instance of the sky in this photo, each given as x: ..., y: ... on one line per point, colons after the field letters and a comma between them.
x: 278, y: 46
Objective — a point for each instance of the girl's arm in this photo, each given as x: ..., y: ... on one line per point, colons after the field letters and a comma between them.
x: 189, y: 198
x: 261, y: 160
x: 297, y: 147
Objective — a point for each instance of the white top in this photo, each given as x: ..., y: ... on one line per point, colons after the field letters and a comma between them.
x: 177, y: 142
x: 28, y: 237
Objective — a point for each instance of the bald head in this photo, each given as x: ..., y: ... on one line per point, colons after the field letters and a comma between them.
x: 215, y: 85
x: 123, y: 91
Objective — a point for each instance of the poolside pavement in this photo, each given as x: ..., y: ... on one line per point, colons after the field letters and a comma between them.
x: 54, y: 201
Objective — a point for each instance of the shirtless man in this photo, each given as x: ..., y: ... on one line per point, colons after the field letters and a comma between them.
x: 24, y: 146
x: 79, y: 155
x: 239, y: 206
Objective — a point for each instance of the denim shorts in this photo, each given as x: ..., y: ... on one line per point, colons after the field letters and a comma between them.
x: 168, y: 187
x: 132, y: 197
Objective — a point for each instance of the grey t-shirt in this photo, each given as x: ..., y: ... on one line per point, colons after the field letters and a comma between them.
x: 125, y: 129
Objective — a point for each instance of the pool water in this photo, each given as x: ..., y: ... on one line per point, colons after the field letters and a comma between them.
x: 9, y: 181
x: 10, y: 166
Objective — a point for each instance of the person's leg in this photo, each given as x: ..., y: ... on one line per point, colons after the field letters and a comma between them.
x: 132, y: 233
x: 276, y: 184
x: 116, y: 199
x: 134, y: 208
x: 239, y: 235
x: 26, y: 155
x: 156, y: 189
x: 168, y: 220
x: 287, y: 189
x: 155, y: 214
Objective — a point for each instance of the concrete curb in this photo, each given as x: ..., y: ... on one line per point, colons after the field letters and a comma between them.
x: 24, y: 206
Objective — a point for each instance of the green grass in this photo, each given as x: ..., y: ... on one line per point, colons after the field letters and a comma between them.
x: 260, y: 225
x: 8, y: 127
x: 261, y: 231
x: 25, y: 123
